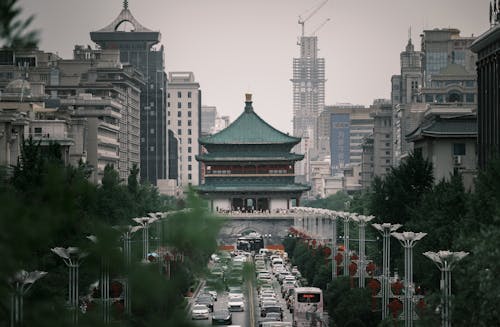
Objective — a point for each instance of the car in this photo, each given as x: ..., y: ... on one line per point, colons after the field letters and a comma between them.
x: 205, y: 299
x: 273, y: 316
x: 200, y: 311
x: 236, y: 304
x: 211, y: 291
x: 222, y: 317
x: 265, y: 309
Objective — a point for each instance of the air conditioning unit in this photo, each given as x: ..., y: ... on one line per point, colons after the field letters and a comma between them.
x: 457, y: 160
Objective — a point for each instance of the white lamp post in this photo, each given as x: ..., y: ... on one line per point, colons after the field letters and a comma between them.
x: 333, y: 221
x: 386, y: 229
x: 362, y: 221
x: 446, y: 261
x: 408, y: 241
x: 346, y: 217
x: 71, y: 257
x: 21, y: 284
x: 144, y: 222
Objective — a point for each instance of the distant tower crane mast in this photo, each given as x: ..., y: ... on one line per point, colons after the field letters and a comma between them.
x: 315, y: 10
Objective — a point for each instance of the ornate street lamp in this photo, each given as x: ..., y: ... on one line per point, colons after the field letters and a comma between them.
x: 386, y: 229
x: 144, y: 222
x: 346, y: 217
x: 127, y: 231
x: 71, y: 257
x: 362, y: 221
x: 446, y: 261
x: 408, y: 241
x: 333, y: 220
x: 21, y: 284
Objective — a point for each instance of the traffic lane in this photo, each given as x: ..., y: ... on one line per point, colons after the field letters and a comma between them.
x: 239, y: 318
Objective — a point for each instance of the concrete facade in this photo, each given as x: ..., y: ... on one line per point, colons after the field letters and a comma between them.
x: 184, y: 118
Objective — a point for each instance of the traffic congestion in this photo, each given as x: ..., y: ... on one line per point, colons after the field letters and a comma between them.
x: 256, y: 288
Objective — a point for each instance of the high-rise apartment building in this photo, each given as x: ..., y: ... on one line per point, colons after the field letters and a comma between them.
x: 308, y: 97
x: 136, y: 44
x: 184, y: 118
x: 343, y: 127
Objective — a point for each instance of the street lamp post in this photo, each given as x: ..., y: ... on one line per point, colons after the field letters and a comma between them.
x: 127, y: 231
x: 144, y: 222
x: 446, y: 261
x: 408, y: 240
x: 362, y: 221
x: 386, y: 229
x: 72, y: 257
x: 333, y: 222
x: 103, y: 285
x: 21, y: 284
x: 346, y: 217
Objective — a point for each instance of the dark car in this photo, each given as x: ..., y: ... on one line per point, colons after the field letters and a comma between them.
x: 207, y: 300
x: 222, y: 317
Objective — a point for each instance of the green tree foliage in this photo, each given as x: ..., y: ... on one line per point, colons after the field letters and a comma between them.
x: 392, y: 198
x: 44, y: 204
x: 336, y: 201
x: 13, y: 32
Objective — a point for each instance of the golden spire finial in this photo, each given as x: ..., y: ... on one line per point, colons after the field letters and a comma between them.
x: 248, y: 97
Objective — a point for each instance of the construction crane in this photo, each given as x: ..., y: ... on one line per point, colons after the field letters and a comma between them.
x: 315, y: 10
x: 320, y: 26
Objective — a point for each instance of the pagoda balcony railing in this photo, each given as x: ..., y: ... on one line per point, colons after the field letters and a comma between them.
x: 249, y: 171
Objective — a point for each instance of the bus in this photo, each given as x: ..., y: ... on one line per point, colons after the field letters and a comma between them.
x: 251, y: 242
x: 308, y: 307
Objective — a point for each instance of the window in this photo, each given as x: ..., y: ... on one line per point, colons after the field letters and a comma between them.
x: 179, y: 94
x: 179, y: 131
x: 38, y: 131
x: 168, y: 122
x: 190, y: 167
x: 179, y: 105
x: 189, y: 176
x: 189, y: 94
x: 387, y: 153
x: 387, y: 144
x: 152, y: 131
x: 189, y: 105
x: 189, y: 140
x: 189, y: 131
x: 189, y: 149
x: 152, y: 148
x: 387, y: 136
x: 189, y: 122
x: 143, y: 139
x: 387, y: 161
x: 189, y: 159
x: 458, y: 149
x: 168, y: 113
x: 179, y: 123
x: 179, y: 113
x: 168, y: 95
x: 168, y: 104
x: 189, y: 114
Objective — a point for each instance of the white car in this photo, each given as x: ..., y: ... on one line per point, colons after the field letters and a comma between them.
x: 200, y: 311
x: 236, y: 304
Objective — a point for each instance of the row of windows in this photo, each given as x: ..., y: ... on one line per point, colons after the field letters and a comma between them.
x: 179, y: 123
x: 179, y: 94
x: 179, y: 105
x: 179, y: 131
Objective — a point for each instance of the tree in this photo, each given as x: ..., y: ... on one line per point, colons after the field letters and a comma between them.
x: 13, y: 29
x: 392, y: 198
x: 133, y: 180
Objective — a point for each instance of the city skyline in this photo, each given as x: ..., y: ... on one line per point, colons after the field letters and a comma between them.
x: 234, y: 47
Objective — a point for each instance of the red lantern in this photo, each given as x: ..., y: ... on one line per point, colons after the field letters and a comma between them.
x: 370, y: 268
x: 395, y: 307
x: 397, y: 287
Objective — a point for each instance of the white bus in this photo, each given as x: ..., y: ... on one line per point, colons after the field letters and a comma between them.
x: 308, y: 307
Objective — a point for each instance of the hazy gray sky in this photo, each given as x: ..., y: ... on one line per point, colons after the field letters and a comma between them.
x: 238, y: 46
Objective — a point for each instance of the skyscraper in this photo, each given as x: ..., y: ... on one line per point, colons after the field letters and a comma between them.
x: 136, y: 45
x: 308, y: 95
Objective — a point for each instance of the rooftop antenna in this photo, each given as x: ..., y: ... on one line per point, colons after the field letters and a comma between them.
x: 125, y: 4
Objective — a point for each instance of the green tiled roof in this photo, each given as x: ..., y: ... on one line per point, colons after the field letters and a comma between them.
x: 249, y: 128
x: 253, y: 188
x: 262, y: 156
